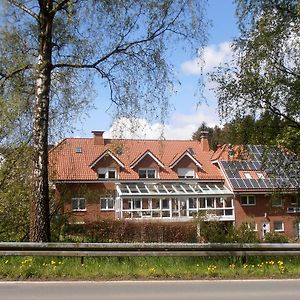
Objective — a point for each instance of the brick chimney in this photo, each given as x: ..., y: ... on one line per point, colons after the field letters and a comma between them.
x: 204, y: 146
x: 98, y: 137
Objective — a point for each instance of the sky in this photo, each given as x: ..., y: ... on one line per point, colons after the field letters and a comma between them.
x: 187, y: 114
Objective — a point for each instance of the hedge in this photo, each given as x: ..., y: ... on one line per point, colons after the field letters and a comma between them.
x: 132, y: 231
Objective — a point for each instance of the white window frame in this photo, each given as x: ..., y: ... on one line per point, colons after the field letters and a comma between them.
x: 107, y: 201
x: 247, y: 200
x: 78, y: 199
x: 260, y: 175
x: 78, y: 149
x: 279, y: 229
x: 106, y: 171
x: 147, y: 170
x: 247, y: 175
x: 186, y: 173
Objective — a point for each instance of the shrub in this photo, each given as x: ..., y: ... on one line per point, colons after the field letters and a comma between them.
x: 131, y: 231
x: 242, y: 234
x: 275, y: 238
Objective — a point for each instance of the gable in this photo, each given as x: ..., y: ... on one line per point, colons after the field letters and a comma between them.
x: 107, y: 157
x: 185, y: 160
x: 146, y: 160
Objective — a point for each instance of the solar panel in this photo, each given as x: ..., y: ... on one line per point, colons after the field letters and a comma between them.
x: 282, y: 170
x: 254, y: 182
x: 244, y: 165
x: 248, y: 183
x: 234, y: 183
x: 241, y: 183
x: 261, y: 183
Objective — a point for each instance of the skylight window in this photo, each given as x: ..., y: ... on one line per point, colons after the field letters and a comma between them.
x: 260, y: 175
x: 78, y: 150
x: 247, y: 175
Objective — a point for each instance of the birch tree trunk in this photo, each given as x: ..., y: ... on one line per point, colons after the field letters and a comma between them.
x: 39, y: 219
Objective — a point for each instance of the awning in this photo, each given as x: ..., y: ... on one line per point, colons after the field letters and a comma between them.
x: 198, y: 189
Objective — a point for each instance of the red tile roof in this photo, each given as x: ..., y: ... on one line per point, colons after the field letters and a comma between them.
x: 66, y: 164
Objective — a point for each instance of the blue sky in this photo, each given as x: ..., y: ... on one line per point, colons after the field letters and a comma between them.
x: 187, y: 115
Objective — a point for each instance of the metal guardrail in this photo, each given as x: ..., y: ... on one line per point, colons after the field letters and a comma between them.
x: 146, y: 249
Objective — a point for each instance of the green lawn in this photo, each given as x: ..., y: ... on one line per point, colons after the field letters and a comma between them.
x: 110, y: 268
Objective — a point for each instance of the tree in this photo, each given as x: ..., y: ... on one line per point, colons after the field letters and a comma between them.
x: 266, y: 75
x: 15, y: 193
x: 247, y: 130
x: 51, y: 50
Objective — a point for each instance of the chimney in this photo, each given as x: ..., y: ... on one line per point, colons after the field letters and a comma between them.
x: 204, y: 146
x: 98, y: 137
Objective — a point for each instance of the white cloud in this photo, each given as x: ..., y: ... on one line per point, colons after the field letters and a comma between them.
x: 181, y: 126
x: 212, y: 56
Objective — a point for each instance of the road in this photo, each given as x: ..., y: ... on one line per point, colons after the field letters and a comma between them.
x: 148, y: 290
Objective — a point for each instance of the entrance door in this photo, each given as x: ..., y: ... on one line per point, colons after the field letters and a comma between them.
x: 265, y: 229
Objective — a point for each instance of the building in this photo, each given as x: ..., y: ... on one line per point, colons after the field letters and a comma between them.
x: 97, y: 178
x: 139, y: 179
x: 265, y: 183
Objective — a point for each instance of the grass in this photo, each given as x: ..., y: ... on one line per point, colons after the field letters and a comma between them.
x: 112, y: 268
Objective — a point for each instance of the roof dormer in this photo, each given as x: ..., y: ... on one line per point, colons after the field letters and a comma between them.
x: 187, y: 154
x: 142, y: 160
x: 104, y: 156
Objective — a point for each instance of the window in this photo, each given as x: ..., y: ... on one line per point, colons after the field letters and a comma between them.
x: 297, y: 229
x: 107, y: 203
x: 107, y: 173
x: 192, y: 202
x: 78, y: 204
x: 147, y: 173
x: 247, y: 175
x: 278, y: 226
x: 260, y: 175
x: 186, y: 173
x: 78, y: 150
x: 276, y: 201
x: 137, y: 204
x: 294, y: 200
x: 248, y: 200
x: 165, y: 204
x: 210, y: 202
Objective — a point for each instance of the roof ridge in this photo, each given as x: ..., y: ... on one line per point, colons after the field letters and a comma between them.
x: 139, y: 140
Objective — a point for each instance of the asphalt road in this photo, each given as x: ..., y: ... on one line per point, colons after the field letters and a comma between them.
x: 175, y: 290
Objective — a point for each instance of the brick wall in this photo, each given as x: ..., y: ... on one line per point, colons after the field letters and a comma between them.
x: 264, y: 213
x: 92, y: 192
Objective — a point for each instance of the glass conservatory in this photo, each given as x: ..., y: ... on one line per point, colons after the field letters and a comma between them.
x: 173, y: 200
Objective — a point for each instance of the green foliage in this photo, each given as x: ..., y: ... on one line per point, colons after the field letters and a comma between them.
x: 52, y: 55
x: 107, y: 268
x: 130, y: 231
x: 242, y: 234
x: 214, y: 231
x: 275, y: 238
x: 267, y: 129
x: 264, y: 76
x: 220, y: 232
x: 15, y: 193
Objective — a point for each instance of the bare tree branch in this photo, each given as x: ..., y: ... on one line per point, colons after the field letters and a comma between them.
x: 5, y: 77
x: 24, y: 8
x: 59, y: 6
x: 123, y: 48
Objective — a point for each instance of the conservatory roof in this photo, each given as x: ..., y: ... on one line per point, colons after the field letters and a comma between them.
x: 171, y: 189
